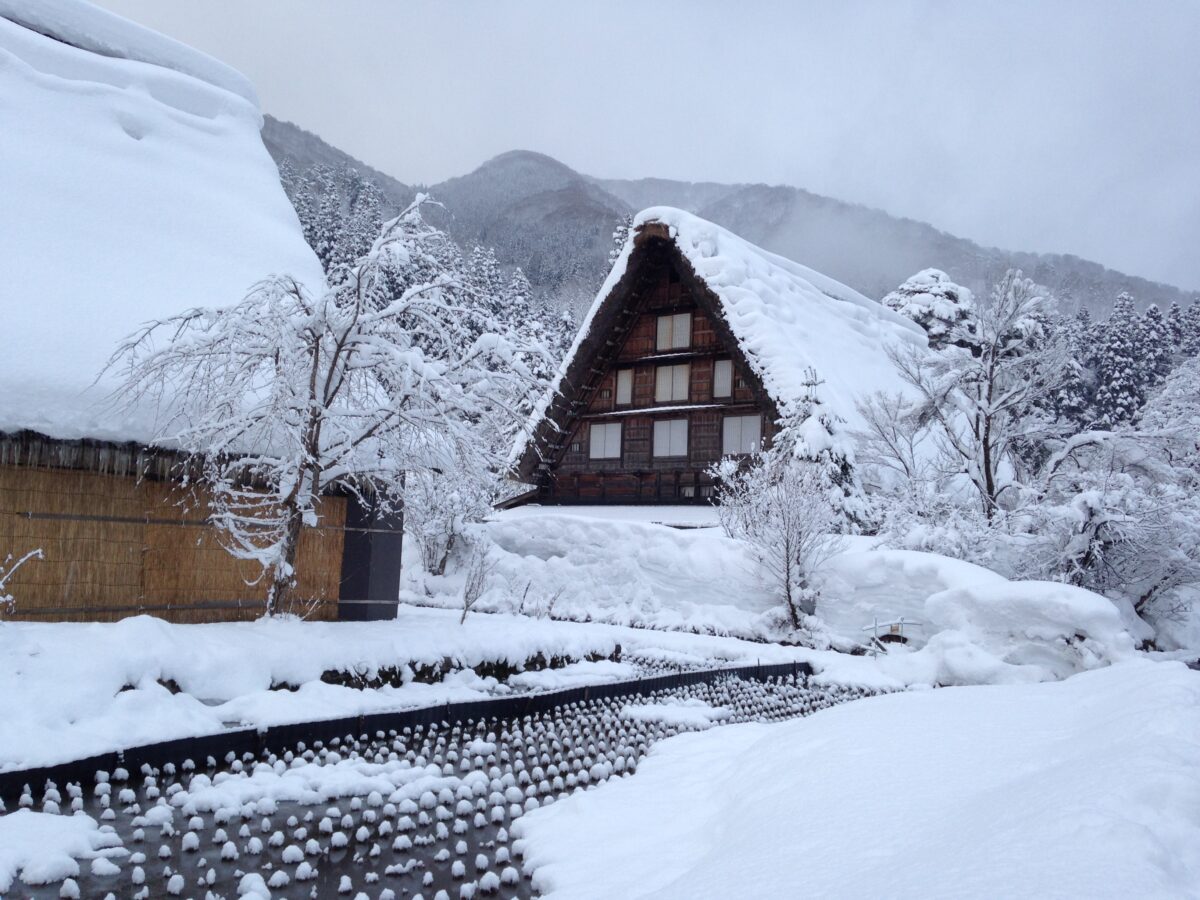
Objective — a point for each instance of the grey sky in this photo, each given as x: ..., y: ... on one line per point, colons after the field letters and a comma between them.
x: 1052, y: 126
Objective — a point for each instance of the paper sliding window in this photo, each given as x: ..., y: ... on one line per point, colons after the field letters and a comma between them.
x: 624, y: 387
x: 674, y: 332
x: 671, y: 383
x: 741, y: 434
x: 605, y: 441
x: 670, y: 437
x: 723, y: 378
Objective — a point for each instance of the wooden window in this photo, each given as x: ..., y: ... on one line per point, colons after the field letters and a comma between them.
x: 741, y: 434
x: 687, y: 490
x: 606, y: 393
x: 624, y: 387
x: 671, y: 383
x: 605, y: 440
x: 675, y: 332
x: 723, y: 378
x: 671, y: 437
x: 576, y: 446
x: 706, y: 490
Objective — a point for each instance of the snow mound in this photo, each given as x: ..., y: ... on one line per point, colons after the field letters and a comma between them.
x: 43, y: 847
x: 1040, y: 627
x: 135, y: 185
x: 1084, y: 788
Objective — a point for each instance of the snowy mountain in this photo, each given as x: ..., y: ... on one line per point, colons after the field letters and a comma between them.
x: 537, y: 213
x: 556, y: 223
x: 873, y: 251
x: 287, y: 141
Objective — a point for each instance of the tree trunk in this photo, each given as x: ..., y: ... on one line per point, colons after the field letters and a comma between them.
x: 283, y: 580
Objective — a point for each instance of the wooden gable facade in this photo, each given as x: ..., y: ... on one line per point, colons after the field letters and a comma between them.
x: 657, y: 392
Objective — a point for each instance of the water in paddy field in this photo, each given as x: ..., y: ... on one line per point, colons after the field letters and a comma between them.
x: 426, y: 812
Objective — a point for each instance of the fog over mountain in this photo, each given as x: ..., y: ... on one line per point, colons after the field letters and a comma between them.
x: 557, y: 224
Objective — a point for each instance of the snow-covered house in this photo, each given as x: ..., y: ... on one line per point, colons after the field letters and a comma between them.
x: 135, y: 185
x: 695, y: 346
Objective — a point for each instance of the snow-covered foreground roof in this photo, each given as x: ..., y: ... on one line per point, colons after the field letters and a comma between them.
x: 135, y: 186
x: 1084, y: 788
x: 787, y: 318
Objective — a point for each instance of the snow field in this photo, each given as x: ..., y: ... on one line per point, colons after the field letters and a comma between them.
x: 1085, y: 788
x: 419, y: 811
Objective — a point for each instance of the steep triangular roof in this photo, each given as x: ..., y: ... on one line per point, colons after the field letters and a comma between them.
x: 785, y: 319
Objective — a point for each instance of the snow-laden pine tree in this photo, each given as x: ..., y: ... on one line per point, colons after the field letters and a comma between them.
x: 937, y: 304
x: 1189, y: 342
x: 1175, y: 325
x: 1071, y: 394
x: 1155, y: 339
x: 294, y: 392
x: 619, y: 236
x: 1121, y: 370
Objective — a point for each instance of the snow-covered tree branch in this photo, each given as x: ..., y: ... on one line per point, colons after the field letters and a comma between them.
x: 293, y: 392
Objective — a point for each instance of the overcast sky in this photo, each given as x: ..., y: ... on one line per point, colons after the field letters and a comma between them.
x: 1052, y: 126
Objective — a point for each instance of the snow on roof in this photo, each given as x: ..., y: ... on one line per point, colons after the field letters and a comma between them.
x: 135, y: 185
x: 786, y: 317
x: 91, y: 28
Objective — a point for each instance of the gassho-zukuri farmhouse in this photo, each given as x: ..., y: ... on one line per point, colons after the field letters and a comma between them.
x: 696, y: 344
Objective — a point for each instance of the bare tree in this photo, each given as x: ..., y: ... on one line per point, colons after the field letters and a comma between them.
x: 785, y: 509
x: 8, y: 569
x: 978, y: 401
x: 290, y: 393
x: 478, y: 571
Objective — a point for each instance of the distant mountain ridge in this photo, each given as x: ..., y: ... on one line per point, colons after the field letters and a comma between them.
x: 557, y: 223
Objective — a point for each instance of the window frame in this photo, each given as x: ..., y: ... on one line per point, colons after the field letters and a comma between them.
x: 726, y: 421
x: 628, y: 401
x: 687, y: 382
x: 604, y: 443
x: 728, y: 365
x: 670, y: 430
x: 674, y: 328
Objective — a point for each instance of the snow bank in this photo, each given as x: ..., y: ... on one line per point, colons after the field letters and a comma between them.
x: 1084, y: 788
x: 135, y: 186
x: 625, y: 572
x: 40, y: 848
x: 70, y: 690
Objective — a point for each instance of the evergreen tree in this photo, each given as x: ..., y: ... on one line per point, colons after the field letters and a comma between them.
x: 1155, y: 345
x: 1071, y: 400
x: 938, y: 305
x: 1189, y: 343
x: 484, y: 279
x: 619, y: 237
x: 1120, y: 374
x: 1175, y: 325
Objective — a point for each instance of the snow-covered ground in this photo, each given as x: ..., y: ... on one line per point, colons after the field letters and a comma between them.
x: 72, y: 690
x: 1085, y: 788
